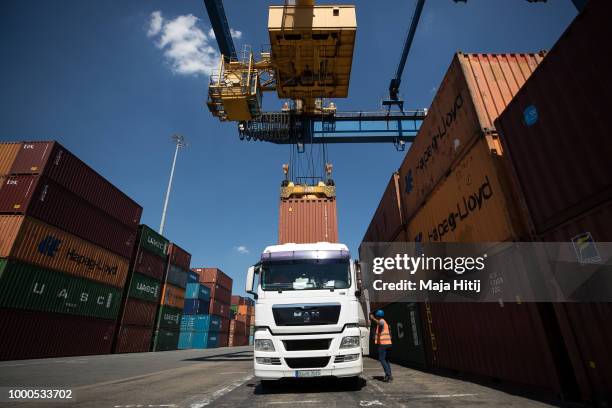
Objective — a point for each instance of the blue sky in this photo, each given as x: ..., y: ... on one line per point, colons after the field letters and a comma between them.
x: 91, y: 74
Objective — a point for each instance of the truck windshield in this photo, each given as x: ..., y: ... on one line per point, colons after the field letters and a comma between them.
x: 305, y: 275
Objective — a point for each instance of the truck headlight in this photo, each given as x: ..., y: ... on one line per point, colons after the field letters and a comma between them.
x: 349, y: 342
x: 265, y: 345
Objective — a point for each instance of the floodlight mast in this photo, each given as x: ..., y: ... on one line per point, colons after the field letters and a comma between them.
x: 179, y: 140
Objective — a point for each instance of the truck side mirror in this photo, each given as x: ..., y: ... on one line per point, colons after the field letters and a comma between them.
x: 358, y: 293
x: 249, y: 280
x: 359, y: 278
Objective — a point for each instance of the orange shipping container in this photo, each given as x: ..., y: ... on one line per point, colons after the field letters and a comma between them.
x: 173, y: 296
x: 388, y: 220
x: 8, y: 152
x: 246, y: 310
x: 473, y: 93
x: 473, y: 204
x: 37, y: 243
x: 305, y: 220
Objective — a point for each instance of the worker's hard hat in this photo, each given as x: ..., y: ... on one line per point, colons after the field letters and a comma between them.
x: 379, y: 313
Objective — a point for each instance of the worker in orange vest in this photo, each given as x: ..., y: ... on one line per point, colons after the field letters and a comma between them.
x: 383, y: 341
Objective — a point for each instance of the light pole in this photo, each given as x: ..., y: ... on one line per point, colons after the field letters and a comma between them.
x: 180, y: 142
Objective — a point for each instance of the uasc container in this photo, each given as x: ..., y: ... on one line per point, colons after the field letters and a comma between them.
x: 152, y: 242
x: 144, y: 288
x: 34, y: 242
x: 169, y: 317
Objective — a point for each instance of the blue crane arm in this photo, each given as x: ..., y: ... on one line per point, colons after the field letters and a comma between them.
x: 219, y: 24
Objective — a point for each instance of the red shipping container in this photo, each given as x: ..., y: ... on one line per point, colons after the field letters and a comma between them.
x: 239, y: 300
x: 138, y: 312
x: 387, y: 221
x: 28, y: 334
x: 46, y: 200
x: 556, y: 131
x: 224, y: 325
x: 246, y: 319
x: 179, y: 257
x: 219, y: 309
x: 237, y: 328
x: 304, y: 220
x: 133, y: 339
x: 219, y: 293
x: 149, y: 264
x: 223, y: 339
x: 54, y: 161
x: 214, y: 275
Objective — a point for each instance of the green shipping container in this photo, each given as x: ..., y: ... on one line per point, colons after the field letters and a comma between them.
x: 164, y: 340
x: 406, y: 328
x: 234, y: 308
x: 145, y: 288
x: 152, y: 242
x: 24, y: 286
x: 169, y: 317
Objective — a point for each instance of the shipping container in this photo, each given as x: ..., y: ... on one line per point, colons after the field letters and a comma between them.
x: 208, y: 323
x: 179, y: 257
x: 165, y: 340
x: 169, y: 318
x: 224, y: 326
x: 133, y: 339
x: 237, y: 327
x: 474, y: 91
x: 472, y: 204
x: 153, y: 242
x: 246, y: 319
x: 149, y: 264
x: 24, y: 286
x: 196, y: 307
x: 222, y: 339
x: 54, y: 161
x: 239, y: 300
x: 145, y: 288
x: 28, y: 334
x: 246, y: 310
x: 31, y: 241
x: 388, y: 219
x: 197, y: 340
x: 193, y: 277
x: 8, y: 152
x: 219, y: 293
x: 42, y: 198
x: 185, y: 340
x: 138, y: 312
x: 176, y: 276
x: 219, y: 309
x: 406, y: 328
x: 214, y: 275
x: 173, y: 296
x: 307, y: 220
x: 197, y: 291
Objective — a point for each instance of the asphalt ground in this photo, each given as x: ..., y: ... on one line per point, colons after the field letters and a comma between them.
x: 224, y: 378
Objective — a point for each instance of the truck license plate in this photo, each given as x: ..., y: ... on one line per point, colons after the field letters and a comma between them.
x: 308, y: 373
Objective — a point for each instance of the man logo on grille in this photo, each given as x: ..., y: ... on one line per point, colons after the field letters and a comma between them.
x: 49, y: 246
x: 585, y: 248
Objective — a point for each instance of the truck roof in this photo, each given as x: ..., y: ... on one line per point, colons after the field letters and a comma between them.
x: 318, y: 246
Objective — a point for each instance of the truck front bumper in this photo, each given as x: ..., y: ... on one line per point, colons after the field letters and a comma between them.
x: 273, y: 372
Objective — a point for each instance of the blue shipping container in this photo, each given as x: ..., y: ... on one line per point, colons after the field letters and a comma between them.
x: 197, y: 340
x: 251, y: 339
x: 197, y: 291
x: 196, y: 307
x: 200, y: 323
x: 192, y: 277
x: 185, y: 340
x: 176, y: 276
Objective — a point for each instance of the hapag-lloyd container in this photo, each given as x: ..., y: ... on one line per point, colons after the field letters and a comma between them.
x: 145, y: 288
x: 40, y: 197
x: 214, y: 275
x: 303, y: 220
x: 8, y: 152
x: 138, y: 312
x: 197, y: 291
x: 473, y: 204
x: 173, y: 296
x: 34, y: 242
x: 24, y: 286
x: 152, y: 242
x: 176, y: 276
x: 388, y: 219
x: 54, y: 161
x: 149, y: 264
x: 27, y: 334
x: 133, y: 339
x: 169, y: 317
x: 219, y: 293
x: 207, y: 323
x: 179, y: 257
x: 165, y: 340
x: 474, y: 91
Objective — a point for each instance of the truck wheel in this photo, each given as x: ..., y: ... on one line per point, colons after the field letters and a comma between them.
x: 354, y: 383
x: 267, y: 384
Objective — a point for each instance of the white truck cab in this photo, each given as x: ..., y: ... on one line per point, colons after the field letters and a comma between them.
x: 308, y: 319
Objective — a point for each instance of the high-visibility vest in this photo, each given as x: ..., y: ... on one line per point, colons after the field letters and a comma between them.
x: 383, y: 335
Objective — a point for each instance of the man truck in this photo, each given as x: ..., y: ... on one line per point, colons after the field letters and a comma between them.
x: 308, y: 318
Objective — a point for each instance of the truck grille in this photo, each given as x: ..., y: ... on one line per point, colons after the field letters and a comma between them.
x: 308, y: 362
x: 310, y: 344
x: 306, y: 314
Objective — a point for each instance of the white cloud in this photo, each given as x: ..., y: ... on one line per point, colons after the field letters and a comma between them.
x: 241, y: 249
x: 187, y: 49
x: 236, y: 34
x: 211, y: 33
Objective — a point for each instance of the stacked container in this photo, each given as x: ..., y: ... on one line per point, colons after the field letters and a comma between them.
x: 67, y: 236
x: 243, y: 320
x: 142, y: 294
x: 556, y: 135
x: 220, y: 286
x: 196, y: 322
x: 167, y: 327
